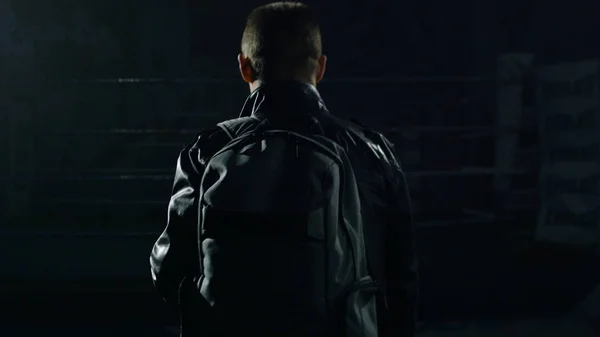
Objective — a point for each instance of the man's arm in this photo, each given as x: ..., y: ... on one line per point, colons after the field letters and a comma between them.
x: 175, y: 254
x: 402, y: 265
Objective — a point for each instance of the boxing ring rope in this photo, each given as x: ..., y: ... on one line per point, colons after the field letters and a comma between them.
x: 136, y: 174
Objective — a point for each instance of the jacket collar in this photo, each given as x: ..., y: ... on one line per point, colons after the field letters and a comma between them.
x: 290, y: 98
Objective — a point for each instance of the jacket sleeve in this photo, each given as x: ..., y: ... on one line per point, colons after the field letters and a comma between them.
x: 402, y: 265
x: 175, y: 254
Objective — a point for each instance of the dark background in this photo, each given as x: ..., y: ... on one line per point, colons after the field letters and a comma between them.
x: 98, y: 97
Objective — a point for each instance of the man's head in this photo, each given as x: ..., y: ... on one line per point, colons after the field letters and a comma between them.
x: 281, y: 41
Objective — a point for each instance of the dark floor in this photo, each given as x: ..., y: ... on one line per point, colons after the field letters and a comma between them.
x: 475, y: 282
x: 525, y: 327
x: 115, y: 310
x: 137, y: 311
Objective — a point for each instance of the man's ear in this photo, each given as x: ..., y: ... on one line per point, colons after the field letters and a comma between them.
x: 321, y: 66
x: 245, y: 66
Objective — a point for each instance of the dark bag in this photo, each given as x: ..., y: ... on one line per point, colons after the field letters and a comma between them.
x: 281, y: 238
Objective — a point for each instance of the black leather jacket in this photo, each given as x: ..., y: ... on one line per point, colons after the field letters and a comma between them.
x: 389, y: 231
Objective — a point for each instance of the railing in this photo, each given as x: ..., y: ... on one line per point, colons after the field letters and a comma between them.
x: 163, y: 175
x: 207, y: 80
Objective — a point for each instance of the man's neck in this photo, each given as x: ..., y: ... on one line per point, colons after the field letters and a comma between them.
x: 257, y: 84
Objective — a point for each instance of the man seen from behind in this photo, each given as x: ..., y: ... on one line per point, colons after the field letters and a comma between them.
x: 281, y: 59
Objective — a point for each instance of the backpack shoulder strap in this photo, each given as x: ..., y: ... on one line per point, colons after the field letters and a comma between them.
x: 238, y: 126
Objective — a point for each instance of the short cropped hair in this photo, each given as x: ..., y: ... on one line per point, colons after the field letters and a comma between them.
x: 282, y: 40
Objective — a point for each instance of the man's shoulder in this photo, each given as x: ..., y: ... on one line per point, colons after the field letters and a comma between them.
x: 376, y: 140
x: 209, y: 141
x: 206, y: 143
x: 208, y: 137
x: 238, y: 126
x: 364, y: 131
x: 372, y: 134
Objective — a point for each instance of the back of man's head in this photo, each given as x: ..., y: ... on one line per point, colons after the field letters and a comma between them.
x: 282, y: 41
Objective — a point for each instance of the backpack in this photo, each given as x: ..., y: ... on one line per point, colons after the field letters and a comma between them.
x: 281, y: 239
